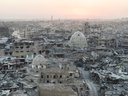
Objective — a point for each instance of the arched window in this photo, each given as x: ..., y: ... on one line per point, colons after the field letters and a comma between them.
x: 47, y: 81
x: 47, y: 76
x: 70, y: 74
x: 42, y: 76
x: 60, y: 76
x: 54, y: 76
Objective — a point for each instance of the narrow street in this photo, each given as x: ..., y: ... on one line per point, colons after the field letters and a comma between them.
x: 91, y: 86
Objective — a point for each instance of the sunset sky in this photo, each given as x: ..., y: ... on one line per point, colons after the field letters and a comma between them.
x: 62, y: 9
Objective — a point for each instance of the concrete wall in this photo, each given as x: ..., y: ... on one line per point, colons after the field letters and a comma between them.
x: 55, y: 92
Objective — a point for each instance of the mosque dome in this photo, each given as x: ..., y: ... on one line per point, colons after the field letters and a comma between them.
x: 78, y: 40
x: 39, y: 60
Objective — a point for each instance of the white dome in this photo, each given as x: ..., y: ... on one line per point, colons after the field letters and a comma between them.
x: 39, y: 59
x: 78, y: 40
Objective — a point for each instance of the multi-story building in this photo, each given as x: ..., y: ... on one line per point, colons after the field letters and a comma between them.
x: 62, y: 75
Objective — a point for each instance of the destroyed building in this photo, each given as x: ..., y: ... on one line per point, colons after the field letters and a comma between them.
x: 107, y: 42
x: 51, y: 77
x: 4, y: 31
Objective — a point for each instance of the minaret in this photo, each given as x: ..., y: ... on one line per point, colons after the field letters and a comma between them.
x: 51, y: 18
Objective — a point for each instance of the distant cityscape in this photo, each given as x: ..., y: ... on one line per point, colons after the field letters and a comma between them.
x: 64, y: 57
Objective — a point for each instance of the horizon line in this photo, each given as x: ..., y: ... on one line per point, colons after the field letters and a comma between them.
x: 36, y: 19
